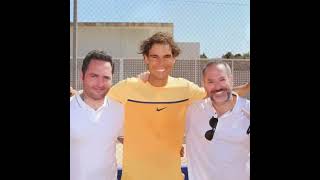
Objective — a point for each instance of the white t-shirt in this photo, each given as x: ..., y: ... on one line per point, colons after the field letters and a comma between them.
x: 93, y: 136
x: 226, y: 156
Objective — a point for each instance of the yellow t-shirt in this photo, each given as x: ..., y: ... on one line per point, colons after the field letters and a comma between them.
x: 154, y: 126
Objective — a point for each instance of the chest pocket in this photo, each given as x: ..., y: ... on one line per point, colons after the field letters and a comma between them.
x: 233, y: 128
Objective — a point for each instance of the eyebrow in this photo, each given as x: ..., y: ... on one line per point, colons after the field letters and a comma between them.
x: 108, y: 77
x: 91, y: 74
x: 158, y: 55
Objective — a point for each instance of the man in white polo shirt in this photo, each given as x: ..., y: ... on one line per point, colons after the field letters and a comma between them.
x: 218, y: 129
x: 95, y: 122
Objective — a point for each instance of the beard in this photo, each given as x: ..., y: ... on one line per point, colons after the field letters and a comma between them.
x: 228, y: 91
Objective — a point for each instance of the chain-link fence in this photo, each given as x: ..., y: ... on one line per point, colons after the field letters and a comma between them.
x: 188, y: 69
x: 209, y: 28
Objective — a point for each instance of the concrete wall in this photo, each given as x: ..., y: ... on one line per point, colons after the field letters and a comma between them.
x: 189, y: 50
x: 122, y: 40
x: 117, y: 39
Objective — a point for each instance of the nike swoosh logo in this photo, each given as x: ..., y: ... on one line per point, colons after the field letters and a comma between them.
x: 161, y: 109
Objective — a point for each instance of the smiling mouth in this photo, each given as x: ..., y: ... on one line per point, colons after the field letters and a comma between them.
x: 219, y: 92
x: 160, y: 70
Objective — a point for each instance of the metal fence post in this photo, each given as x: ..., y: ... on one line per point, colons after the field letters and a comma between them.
x: 196, y: 72
x: 232, y: 67
x: 75, y: 27
x: 121, y: 69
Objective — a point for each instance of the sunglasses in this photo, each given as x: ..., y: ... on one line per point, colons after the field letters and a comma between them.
x: 213, y: 123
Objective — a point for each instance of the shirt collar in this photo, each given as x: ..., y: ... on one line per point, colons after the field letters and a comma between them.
x: 84, y: 105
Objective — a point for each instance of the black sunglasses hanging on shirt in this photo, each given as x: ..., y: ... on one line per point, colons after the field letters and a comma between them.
x: 213, y: 123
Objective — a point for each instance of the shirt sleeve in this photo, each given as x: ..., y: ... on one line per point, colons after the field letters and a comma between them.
x: 196, y: 92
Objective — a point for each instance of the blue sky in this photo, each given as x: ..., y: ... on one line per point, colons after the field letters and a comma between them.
x: 219, y: 25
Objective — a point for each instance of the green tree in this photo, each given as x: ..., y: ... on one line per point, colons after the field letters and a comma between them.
x: 238, y: 56
x: 203, y: 56
x: 229, y: 55
x: 246, y: 55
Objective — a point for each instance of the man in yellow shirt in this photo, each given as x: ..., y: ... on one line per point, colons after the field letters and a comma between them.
x: 155, y: 113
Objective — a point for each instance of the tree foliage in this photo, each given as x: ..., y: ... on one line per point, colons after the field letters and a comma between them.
x: 229, y: 55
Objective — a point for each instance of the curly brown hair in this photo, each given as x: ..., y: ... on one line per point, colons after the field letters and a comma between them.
x: 159, y: 38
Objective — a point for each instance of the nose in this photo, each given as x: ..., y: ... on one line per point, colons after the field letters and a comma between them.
x: 101, y: 82
x: 159, y: 61
x: 217, y: 86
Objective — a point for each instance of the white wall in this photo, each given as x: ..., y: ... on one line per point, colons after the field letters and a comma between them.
x: 117, y: 40
x: 189, y: 50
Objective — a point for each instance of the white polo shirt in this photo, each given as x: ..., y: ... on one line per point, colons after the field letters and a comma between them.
x: 93, y: 136
x: 226, y: 156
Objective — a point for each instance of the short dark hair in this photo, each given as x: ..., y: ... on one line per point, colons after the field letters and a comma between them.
x: 98, y: 55
x: 159, y: 38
